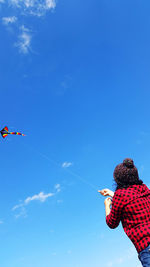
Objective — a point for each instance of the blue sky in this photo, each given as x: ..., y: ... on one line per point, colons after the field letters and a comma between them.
x: 75, y: 79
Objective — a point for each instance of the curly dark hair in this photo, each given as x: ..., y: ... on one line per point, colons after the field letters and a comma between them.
x: 126, y: 174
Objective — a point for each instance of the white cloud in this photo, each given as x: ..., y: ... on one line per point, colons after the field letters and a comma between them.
x: 21, y: 207
x: 57, y: 187
x: 34, y: 7
x: 23, y: 3
x: 24, y: 42
x: 17, y: 206
x: 50, y: 4
x: 22, y: 213
x: 41, y: 197
x: 66, y: 164
x: 9, y: 20
x: 24, y: 8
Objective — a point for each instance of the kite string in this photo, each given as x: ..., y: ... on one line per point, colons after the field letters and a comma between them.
x: 68, y: 171
x: 65, y: 169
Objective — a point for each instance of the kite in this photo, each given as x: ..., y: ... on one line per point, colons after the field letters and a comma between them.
x: 4, y: 132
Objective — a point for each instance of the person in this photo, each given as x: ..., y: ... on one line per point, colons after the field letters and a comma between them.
x: 130, y: 204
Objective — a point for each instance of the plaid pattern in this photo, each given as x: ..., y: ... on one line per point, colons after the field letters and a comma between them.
x: 131, y: 206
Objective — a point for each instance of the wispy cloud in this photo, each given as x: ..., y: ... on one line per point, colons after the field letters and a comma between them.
x: 65, y: 85
x: 9, y: 20
x: 57, y: 187
x: 24, y: 42
x: 22, y: 213
x: 24, y: 8
x: 33, y: 7
x: 41, y: 197
x: 66, y: 164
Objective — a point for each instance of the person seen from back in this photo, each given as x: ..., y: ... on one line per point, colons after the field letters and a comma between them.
x: 130, y: 204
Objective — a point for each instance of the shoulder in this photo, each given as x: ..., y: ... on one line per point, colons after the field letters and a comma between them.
x: 120, y: 193
x: 118, y: 197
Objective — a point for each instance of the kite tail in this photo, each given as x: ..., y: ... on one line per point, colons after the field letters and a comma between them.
x: 16, y: 133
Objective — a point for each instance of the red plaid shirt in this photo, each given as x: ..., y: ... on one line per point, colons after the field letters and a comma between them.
x: 131, y: 206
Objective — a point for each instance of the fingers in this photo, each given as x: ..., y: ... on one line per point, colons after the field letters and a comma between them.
x: 103, y: 192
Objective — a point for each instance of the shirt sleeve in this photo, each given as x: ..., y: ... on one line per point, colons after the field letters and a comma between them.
x: 114, y: 217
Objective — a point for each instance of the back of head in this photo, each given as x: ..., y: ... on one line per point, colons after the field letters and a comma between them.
x: 126, y: 174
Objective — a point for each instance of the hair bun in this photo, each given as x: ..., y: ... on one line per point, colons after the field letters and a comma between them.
x: 128, y: 163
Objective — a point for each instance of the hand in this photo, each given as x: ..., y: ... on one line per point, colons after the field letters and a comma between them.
x: 108, y: 201
x: 106, y: 192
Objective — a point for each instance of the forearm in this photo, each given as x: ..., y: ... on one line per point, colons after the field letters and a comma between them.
x: 107, y: 210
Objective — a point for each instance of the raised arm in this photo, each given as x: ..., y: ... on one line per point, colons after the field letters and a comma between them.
x: 106, y: 192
